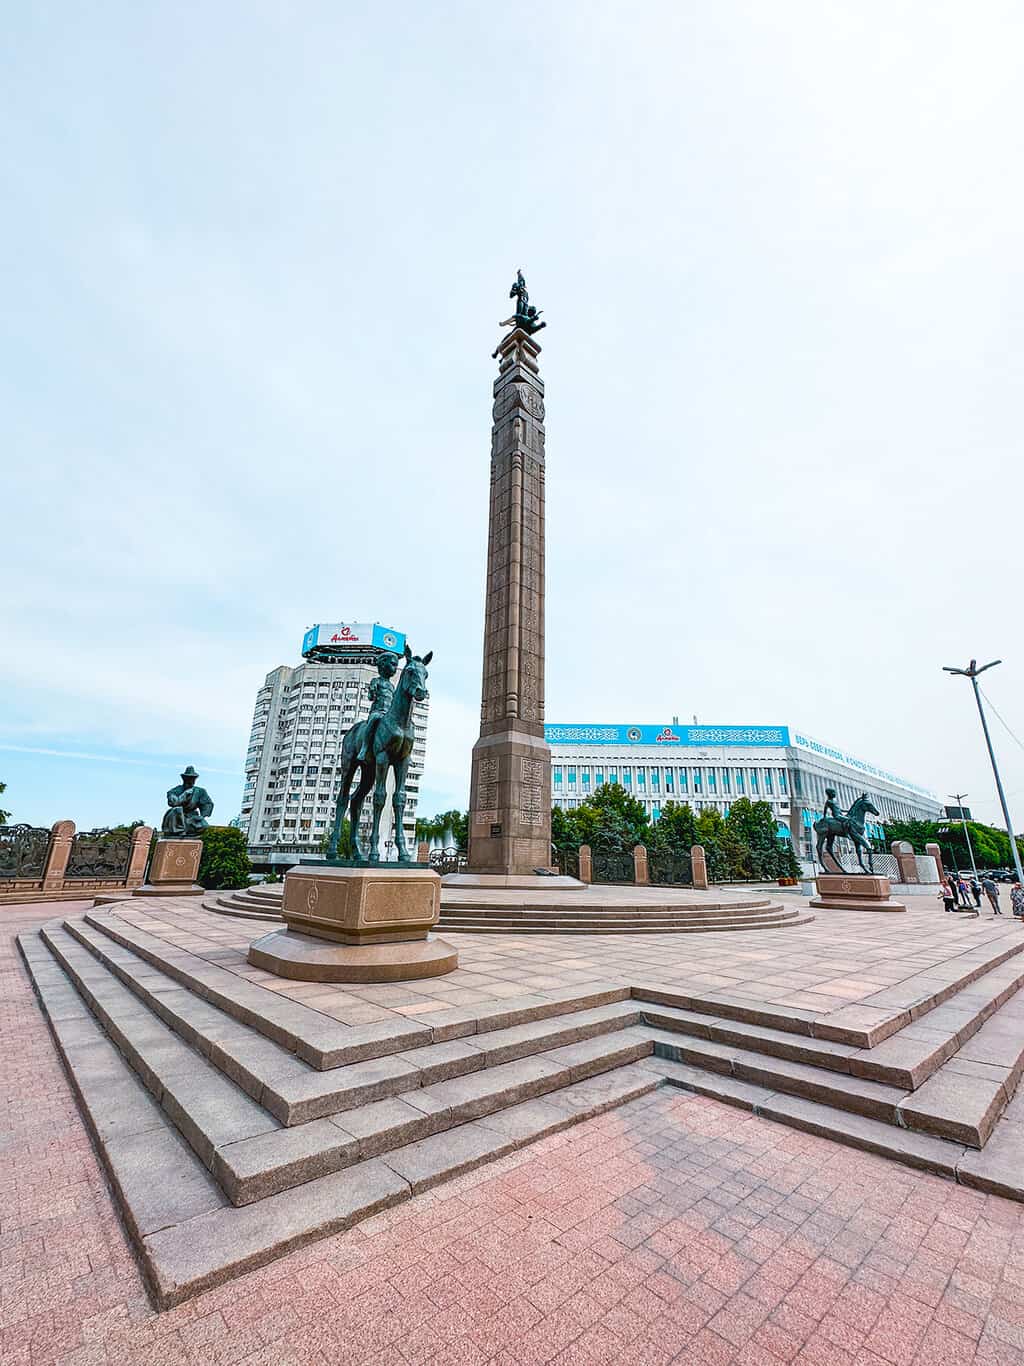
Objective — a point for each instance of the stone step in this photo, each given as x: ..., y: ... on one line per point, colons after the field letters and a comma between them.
x: 292, y: 1091
x: 961, y: 1099
x: 187, y: 1235
x: 317, y: 1038
x: 824, y: 1085
x: 206, y: 1108
x: 253, y: 1169
x: 492, y: 924
x: 982, y: 979
x: 843, y: 1126
x: 691, y: 911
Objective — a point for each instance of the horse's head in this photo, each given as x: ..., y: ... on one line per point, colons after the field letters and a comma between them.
x: 863, y: 806
x: 414, y: 675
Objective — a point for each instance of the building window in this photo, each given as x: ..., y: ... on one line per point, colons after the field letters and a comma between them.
x: 782, y: 781
x: 697, y: 777
x: 739, y: 780
x: 585, y: 776
x: 572, y: 777
x: 641, y: 777
x: 598, y: 777
x: 726, y: 780
x: 768, y: 781
x: 753, y: 780
x: 627, y: 777
x: 655, y: 777
x: 613, y: 775
x: 668, y: 780
x: 712, y: 783
x: 558, y: 777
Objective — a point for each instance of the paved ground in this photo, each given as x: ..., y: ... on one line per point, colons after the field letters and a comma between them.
x: 674, y: 1229
x: 842, y: 958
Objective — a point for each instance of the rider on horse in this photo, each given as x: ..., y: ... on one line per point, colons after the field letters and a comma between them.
x: 381, y: 691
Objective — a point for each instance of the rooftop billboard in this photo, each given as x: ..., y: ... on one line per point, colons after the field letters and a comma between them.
x: 671, y: 737
x: 337, y: 635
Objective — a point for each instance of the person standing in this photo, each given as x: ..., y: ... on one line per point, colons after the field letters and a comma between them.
x: 976, y: 893
x: 988, y: 883
x: 965, y: 898
x: 1017, y: 899
x: 946, y: 893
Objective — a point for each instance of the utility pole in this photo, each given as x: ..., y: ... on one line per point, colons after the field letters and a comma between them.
x: 967, y: 834
x: 972, y: 673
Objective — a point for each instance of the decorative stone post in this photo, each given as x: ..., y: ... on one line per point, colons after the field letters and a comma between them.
x: 640, y: 874
x: 936, y: 854
x: 699, y: 864
x: 423, y: 852
x: 61, y: 838
x: 903, y: 851
x: 141, y: 837
x: 586, y: 864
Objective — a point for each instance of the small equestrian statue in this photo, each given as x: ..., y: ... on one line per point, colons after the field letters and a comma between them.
x: 849, y: 825
x: 382, y: 742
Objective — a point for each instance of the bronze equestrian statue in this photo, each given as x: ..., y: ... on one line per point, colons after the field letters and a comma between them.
x: 383, y: 741
x: 835, y: 823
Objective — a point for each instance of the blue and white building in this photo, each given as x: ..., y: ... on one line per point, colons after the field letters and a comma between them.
x: 710, y: 766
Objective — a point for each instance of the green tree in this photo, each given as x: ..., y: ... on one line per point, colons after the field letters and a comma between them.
x: 754, y: 849
x: 225, y: 861
x: 713, y: 836
x: 4, y: 815
x: 676, y: 830
x: 446, y: 823
x: 344, y: 838
x: 991, y: 846
x: 611, y: 821
x: 564, y: 835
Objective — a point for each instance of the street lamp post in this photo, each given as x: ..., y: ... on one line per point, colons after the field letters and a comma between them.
x: 972, y: 673
x: 967, y: 834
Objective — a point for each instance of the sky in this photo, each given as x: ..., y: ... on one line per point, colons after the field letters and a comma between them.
x: 255, y: 259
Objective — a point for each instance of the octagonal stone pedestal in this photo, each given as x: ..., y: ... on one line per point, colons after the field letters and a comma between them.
x: 855, y: 892
x: 359, y: 924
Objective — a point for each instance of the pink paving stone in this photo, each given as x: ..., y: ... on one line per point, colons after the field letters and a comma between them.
x: 622, y: 1240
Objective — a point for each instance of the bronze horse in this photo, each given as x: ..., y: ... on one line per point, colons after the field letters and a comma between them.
x: 850, y: 826
x: 392, y: 748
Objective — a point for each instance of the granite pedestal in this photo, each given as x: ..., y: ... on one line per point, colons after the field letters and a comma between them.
x: 358, y: 924
x: 173, y: 869
x: 855, y: 892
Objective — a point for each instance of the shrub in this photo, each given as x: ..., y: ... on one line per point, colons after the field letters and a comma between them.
x: 225, y: 862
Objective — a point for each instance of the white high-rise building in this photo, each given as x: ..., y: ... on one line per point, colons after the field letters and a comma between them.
x: 301, y: 716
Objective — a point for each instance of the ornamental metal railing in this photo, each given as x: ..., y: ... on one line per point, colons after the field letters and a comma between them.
x: 23, y: 850
x: 669, y: 869
x: 612, y: 867
x: 448, y: 860
x: 103, y: 854
x: 567, y: 861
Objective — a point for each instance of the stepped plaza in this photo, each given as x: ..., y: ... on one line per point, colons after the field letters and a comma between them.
x: 633, y: 1147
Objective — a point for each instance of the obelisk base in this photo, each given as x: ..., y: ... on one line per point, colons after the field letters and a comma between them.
x: 510, y: 805
x: 173, y: 869
x: 854, y: 892
x: 357, y: 924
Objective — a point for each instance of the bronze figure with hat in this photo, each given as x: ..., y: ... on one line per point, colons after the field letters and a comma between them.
x: 187, y: 808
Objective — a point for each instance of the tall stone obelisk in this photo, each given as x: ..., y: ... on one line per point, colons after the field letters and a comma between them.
x: 510, y: 789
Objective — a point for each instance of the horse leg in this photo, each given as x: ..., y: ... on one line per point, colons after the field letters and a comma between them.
x: 380, y: 793
x: 355, y: 809
x: 339, y: 811
x: 398, y: 808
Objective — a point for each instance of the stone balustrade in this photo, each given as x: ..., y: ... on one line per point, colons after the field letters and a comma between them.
x: 64, y: 865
